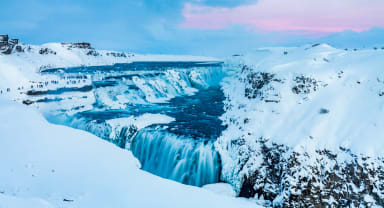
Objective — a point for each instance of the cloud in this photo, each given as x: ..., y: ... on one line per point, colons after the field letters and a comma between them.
x: 223, y: 3
x: 347, y: 39
x: 321, y: 17
x: 213, y: 27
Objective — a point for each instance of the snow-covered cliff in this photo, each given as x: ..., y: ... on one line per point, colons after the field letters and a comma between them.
x: 305, y: 126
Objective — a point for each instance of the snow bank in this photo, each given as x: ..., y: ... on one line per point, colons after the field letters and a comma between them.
x: 72, y: 168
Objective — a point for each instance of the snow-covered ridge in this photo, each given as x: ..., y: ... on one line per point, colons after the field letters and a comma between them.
x: 306, y: 120
x: 332, y: 96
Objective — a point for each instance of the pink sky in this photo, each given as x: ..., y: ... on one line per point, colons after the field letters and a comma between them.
x: 307, y: 16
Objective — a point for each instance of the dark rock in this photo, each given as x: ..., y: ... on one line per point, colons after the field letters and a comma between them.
x: 126, y: 134
x: 323, y: 111
x: 93, y: 53
x: 46, y: 51
x: 27, y: 102
x: 4, y: 38
x: 19, y: 49
x: 256, y: 81
x: 81, y: 45
x: 304, y: 85
x: 247, y: 189
x: 325, y: 182
x: 14, y: 41
x: 7, y: 45
x: 116, y: 54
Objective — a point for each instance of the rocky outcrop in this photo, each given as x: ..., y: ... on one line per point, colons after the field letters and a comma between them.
x: 116, y: 54
x: 257, y: 84
x: 288, y: 178
x: 7, y: 45
x: 81, y: 45
x: 46, y: 51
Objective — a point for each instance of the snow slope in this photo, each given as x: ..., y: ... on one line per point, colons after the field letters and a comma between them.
x: 54, y: 166
x: 348, y: 84
x: 296, y: 116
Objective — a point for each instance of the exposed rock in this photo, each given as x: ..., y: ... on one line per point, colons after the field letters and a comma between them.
x: 304, y: 85
x: 323, y: 111
x: 257, y: 83
x: 124, y: 136
x: 326, y: 181
x: 93, y: 53
x: 46, y: 51
x: 81, y: 45
x: 7, y: 45
x: 116, y: 54
x: 19, y: 49
x: 4, y: 38
x: 27, y: 102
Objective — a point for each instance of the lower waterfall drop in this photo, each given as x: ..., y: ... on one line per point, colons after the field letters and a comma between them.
x: 177, y: 157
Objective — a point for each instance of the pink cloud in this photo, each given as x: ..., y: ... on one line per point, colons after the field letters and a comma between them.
x: 306, y: 16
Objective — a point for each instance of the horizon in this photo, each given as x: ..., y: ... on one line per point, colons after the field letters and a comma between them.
x: 195, y: 27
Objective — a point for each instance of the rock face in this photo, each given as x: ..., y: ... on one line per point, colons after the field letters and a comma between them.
x: 7, y: 45
x: 81, y: 45
x: 290, y: 178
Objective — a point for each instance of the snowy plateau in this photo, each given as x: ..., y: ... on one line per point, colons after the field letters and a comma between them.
x: 277, y: 127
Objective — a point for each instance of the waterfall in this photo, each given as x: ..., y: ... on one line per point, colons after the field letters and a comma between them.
x: 177, y: 157
x: 189, y: 93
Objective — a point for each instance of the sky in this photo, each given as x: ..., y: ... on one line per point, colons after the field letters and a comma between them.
x: 198, y: 27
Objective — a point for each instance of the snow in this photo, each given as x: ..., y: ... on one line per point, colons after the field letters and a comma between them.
x: 350, y: 84
x: 45, y: 165
x: 344, y: 112
x: 141, y: 121
x: 15, y: 202
x: 56, y: 166
x: 221, y: 188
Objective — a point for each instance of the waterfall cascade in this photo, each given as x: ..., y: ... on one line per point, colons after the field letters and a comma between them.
x: 187, y: 94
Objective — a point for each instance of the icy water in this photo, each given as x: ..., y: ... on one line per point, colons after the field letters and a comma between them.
x: 188, y: 92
